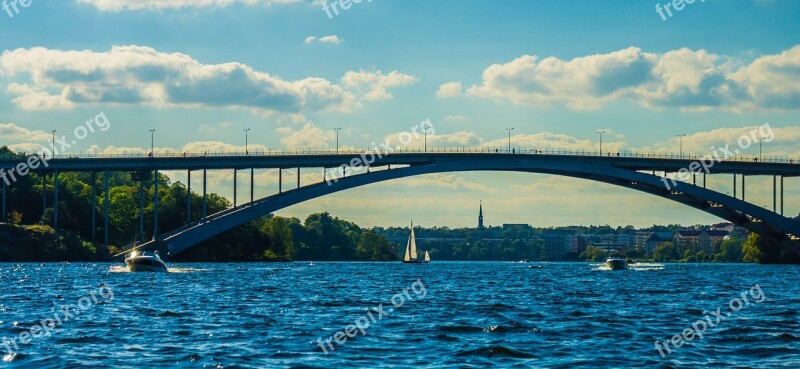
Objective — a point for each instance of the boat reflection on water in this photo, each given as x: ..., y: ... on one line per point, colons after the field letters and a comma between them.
x: 145, y: 261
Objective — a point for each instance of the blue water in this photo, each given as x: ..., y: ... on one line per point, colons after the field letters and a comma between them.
x: 459, y: 315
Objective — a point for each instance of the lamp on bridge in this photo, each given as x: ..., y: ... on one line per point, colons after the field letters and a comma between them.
x: 152, y: 141
x: 601, y: 131
x: 681, y: 136
x: 337, y: 138
x: 246, y: 151
x: 509, y: 138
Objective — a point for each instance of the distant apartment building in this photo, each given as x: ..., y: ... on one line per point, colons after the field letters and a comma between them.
x: 699, y: 240
x: 655, y: 240
x: 611, y: 246
x: 640, y: 239
x: 558, y: 244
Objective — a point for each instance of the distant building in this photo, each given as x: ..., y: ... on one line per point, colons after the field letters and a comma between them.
x: 558, y: 244
x: 699, y: 240
x: 480, y: 216
x: 520, y: 227
x: 640, y: 239
x: 655, y: 240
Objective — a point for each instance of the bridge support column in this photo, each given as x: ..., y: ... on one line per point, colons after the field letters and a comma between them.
x: 694, y: 178
x: 105, y: 211
x: 141, y: 209
x: 774, y: 194
x: 234, y: 187
x: 94, y: 206
x: 188, y: 196
x: 781, y: 195
x: 704, y: 180
x: 280, y: 180
x: 734, y: 186
x: 55, y: 201
x: 205, y: 197
x: 298, y: 177
x: 252, y: 176
x: 743, y: 187
x: 5, y: 190
x: 44, y: 194
x: 155, y: 207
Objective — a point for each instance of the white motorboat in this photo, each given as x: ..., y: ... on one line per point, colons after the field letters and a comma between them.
x: 615, y: 262
x: 145, y: 261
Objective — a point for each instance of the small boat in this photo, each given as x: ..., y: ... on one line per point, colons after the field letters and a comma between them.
x: 616, y: 262
x: 411, y: 256
x: 145, y: 261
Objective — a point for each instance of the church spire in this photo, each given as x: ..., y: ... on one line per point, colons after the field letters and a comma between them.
x: 480, y: 216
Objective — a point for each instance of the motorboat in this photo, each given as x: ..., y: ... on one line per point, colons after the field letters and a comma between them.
x: 616, y: 262
x: 145, y: 261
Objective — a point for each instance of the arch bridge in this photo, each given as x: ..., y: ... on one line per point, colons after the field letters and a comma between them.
x: 645, y: 173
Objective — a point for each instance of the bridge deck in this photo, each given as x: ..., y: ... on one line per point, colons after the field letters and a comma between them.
x: 317, y: 159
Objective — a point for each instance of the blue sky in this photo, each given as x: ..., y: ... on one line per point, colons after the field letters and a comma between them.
x: 200, y: 72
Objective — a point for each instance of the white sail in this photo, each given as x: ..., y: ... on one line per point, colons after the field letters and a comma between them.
x: 408, y: 250
x: 412, y: 243
x: 427, y: 256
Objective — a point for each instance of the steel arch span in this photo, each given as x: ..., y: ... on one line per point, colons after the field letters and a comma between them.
x: 752, y: 217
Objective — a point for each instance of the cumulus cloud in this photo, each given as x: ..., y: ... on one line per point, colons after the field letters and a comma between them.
x: 684, y: 78
x: 138, y: 75
x: 120, y: 5
x: 309, y: 136
x: 374, y: 85
x: 11, y: 133
x: 331, y: 39
x: 451, y: 89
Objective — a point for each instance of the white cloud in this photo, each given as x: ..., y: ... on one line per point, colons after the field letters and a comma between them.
x: 330, y: 39
x: 684, y: 78
x: 310, y: 136
x: 375, y: 84
x: 451, y: 89
x: 142, y: 75
x: 12, y: 133
x: 120, y: 5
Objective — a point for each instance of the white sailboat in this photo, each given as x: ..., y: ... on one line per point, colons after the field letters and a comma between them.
x: 411, y: 256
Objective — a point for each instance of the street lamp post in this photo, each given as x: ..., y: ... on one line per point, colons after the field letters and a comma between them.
x: 509, y: 138
x: 680, y: 138
x: 152, y: 142
x: 601, y: 131
x: 337, y: 138
x: 246, y: 148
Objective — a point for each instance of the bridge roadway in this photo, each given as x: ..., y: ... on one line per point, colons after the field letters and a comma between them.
x: 327, y: 159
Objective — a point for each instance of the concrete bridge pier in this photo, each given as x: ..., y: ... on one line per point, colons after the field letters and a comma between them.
x: 205, y: 196
x: 44, y: 194
x: 235, y: 186
x: 188, y: 196
x: 105, y: 211
x: 55, y: 201
x: 94, y: 205
x: 141, y: 209
x: 743, y: 177
x: 5, y: 189
x: 252, y: 176
x: 155, y: 207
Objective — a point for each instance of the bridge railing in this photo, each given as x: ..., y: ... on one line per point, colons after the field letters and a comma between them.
x: 420, y: 150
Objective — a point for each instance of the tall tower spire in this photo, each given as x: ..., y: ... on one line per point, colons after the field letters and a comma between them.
x: 480, y: 216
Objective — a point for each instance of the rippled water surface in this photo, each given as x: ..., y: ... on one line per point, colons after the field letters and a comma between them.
x: 458, y: 315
